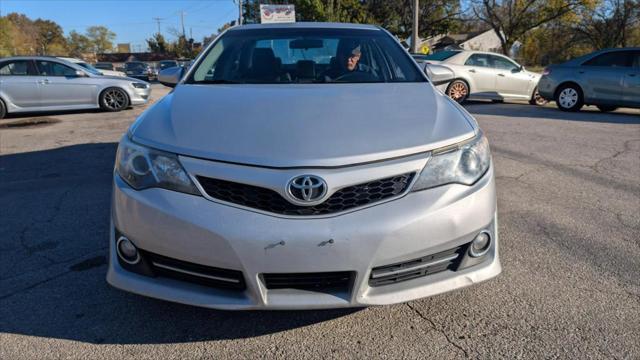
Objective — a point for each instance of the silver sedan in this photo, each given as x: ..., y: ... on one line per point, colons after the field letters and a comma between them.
x: 41, y: 83
x: 607, y: 78
x: 482, y: 75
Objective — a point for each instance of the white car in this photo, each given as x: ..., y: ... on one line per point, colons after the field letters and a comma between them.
x: 93, y: 69
x: 484, y: 75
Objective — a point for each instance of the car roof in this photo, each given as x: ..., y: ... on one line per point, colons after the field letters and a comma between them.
x: 33, y: 57
x: 306, y: 25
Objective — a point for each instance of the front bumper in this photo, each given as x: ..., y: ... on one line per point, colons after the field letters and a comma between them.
x: 196, y: 230
x: 547, y: 87
x: 140, y: 96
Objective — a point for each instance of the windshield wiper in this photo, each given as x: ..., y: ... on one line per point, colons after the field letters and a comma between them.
x: 217, y: 81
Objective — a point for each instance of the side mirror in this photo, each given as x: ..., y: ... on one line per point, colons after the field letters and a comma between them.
x: 518, y: 69
x: 439, y: 74
x: 80, y: 73
x: 171, y: 76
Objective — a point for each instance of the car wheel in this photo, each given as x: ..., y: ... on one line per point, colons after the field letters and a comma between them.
x: 3, y: 110
x: 536, y: 99
x: 606, y: 108
x: 458, y: 90
x: 114, y: 99
x: 569, y: 98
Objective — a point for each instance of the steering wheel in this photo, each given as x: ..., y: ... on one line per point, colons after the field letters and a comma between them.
x: 356, y: 76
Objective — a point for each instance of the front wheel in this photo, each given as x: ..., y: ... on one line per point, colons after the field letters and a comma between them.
x: 114, y: 99
x: 536, y: 99
x: 605, y: 108
x: 458, y: 90
x: 569, y: 98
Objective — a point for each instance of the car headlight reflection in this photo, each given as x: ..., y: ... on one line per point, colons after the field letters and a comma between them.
x: 144, y: 168
x: 461, y: 164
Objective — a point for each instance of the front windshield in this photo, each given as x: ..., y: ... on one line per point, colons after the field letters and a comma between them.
x: 90, y: 68
x: 276, y: 56
x: 134, y: 66
x: 441, y: 55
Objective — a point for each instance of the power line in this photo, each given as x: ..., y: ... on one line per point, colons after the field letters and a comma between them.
x: 157, y: 19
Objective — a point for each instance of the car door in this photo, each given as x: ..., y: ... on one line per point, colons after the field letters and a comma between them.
x: 63, y: 88
x: 511, y: 79
x: 631, y: 88
x: 19, y: 84
x: 478, y: 68
x: 602, y: 77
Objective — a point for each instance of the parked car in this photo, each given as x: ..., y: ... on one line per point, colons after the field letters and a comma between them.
x: 607, y: 78
x: 285, y: 180
x: 42, y: 83
x: 483, y: 75
x: 139, y: 70
x: 104, y: 66
x: 165, y: 64
x: 91, y: 68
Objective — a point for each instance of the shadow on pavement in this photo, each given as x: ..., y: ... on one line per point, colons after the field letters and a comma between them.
x: 36, y: 114
x: 53, y: 249
x: 515, y: 110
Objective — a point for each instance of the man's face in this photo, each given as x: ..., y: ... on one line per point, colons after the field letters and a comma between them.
x: 352, y: 61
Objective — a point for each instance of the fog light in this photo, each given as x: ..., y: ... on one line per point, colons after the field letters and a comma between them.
x: 127, y: 251
x: 480, y: 244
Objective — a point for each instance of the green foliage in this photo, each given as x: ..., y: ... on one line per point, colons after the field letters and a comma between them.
x: 78, y: 44
x: 157, y: 44
x: 101, y: 38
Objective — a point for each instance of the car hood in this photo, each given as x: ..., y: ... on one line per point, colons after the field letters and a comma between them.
x: 303, y: 125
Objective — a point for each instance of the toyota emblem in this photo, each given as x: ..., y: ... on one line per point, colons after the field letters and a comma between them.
x: 307, y: 189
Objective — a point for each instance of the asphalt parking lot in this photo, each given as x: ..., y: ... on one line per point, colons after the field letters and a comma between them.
x: 569, y: 212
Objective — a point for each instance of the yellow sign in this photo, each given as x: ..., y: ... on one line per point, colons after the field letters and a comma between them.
x: 424, y: 49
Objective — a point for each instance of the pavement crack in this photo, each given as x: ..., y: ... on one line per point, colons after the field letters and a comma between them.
x: 438, y: 329
x: 34, y: 285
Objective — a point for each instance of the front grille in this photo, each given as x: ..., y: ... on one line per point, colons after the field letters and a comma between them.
x: 325, y: 281
x: 427, y: 265
x: 195, y: 273
x: 268, y: 200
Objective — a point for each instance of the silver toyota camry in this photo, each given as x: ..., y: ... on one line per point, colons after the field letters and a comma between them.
x: 299, y: 166
x: 44, y: 83
x: 484, y: 75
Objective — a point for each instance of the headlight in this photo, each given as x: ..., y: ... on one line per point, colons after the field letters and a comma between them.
x: 139, y: 85
x: 143, y: 168
x: 460, y: 164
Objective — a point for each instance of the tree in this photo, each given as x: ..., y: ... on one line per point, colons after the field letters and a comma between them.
x: 512, y: 19
x: 157, y: 44
x: 435, y: 16
x: 23, y: 35
x: 78, y: 44
x: 50, y: 38
x: 101, y: 38
x: 6, y: 31
x: 610, y: 23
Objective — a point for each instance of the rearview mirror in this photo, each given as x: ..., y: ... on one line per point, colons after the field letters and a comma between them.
x: 439, y: 74
x: 170, y: 77
x: 306, y: 44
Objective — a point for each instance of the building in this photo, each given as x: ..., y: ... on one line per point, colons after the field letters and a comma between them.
x: 486, y: 40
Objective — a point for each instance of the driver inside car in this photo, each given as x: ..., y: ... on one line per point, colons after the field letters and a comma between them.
x: 347, y: 61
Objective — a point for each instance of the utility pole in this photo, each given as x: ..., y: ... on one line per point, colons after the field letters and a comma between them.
x: 157, y: 19
x: 414, y: 35
x: 239, y: 12
x: 182, y: 13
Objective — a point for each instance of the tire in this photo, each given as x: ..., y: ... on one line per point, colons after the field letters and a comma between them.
x: 606, y: 108
x: 536, y: 99
x: 3, y: 110
x: 569, y: 98
x: 458, y: 90
x: 114, y: 99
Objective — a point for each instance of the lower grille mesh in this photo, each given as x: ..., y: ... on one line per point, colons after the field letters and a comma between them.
x: 424, y: 266
x: 325, y: 281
